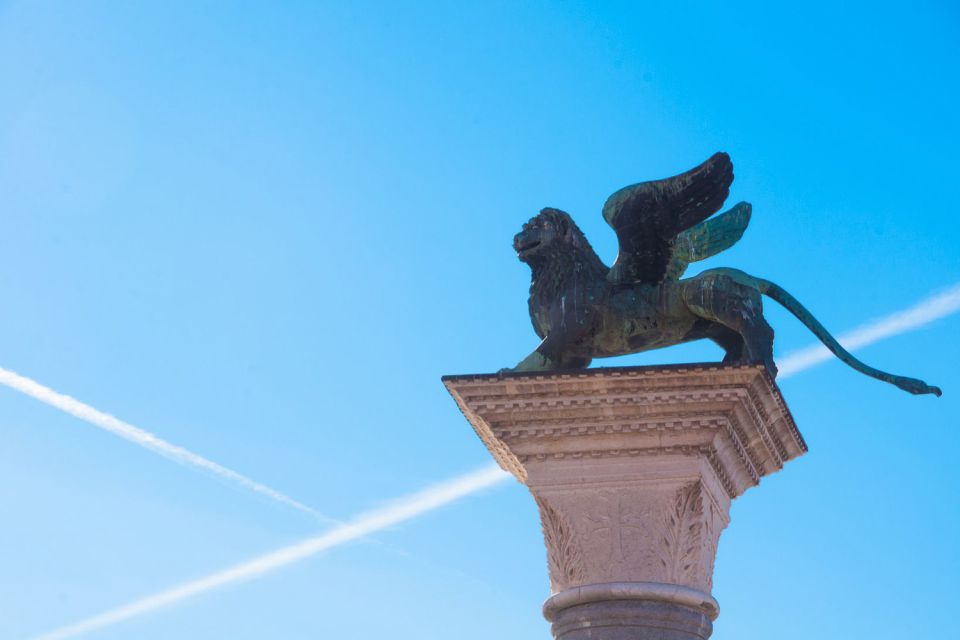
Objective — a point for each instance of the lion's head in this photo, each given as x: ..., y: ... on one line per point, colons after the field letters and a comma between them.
x: 558, y: 254
x: 546, y: 233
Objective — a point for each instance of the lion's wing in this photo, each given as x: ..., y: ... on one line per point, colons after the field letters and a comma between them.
x: 648, y: 216
x: 708, y: 239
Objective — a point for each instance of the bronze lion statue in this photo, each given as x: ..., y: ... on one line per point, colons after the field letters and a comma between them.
x: 582, y: 309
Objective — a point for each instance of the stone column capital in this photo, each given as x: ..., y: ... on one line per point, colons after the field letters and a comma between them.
x: 633, y: 470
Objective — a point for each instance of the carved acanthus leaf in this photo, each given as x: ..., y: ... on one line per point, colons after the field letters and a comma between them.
x: 564, y: 558
x: 683, y: 533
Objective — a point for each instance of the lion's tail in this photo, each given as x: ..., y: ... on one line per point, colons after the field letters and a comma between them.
x: 793, y: 305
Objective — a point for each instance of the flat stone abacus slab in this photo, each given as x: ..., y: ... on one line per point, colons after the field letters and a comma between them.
x: 734, y: 415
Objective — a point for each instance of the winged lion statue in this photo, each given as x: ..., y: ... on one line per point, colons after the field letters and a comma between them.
x: 582, y: 309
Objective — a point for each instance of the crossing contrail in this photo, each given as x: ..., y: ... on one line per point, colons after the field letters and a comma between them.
x: 930, y: 309
x: 433, y: 497
x: 145, y: 439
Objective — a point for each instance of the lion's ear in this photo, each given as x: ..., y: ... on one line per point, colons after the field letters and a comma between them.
x: 560, y: 220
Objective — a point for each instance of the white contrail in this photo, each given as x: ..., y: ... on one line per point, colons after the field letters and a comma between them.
x: 409, y: 507
x: 926, y: 311
x: 144, y: 438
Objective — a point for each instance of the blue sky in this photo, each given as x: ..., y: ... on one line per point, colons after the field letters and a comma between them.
x: 262, y: 231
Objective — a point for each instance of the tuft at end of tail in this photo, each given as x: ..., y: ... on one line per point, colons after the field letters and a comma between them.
x: 916, y: 387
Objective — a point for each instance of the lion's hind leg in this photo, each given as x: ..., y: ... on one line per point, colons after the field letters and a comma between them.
x: 743, y: 333
x: 727, y: 339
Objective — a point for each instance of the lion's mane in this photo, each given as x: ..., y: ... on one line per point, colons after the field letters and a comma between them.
x: 565, y: 263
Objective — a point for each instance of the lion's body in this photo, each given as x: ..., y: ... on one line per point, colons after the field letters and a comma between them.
x: 589, y: 317
x: 648, y: 316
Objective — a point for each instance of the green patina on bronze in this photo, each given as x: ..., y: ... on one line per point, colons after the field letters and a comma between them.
x: 583, y: 309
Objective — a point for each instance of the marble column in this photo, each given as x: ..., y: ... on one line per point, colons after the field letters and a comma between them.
x: 633, y: 470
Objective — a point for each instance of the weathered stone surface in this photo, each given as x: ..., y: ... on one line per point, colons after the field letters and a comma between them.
x: 633, y: 470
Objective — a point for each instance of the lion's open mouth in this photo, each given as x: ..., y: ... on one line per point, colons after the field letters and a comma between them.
x: 526, y: 248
